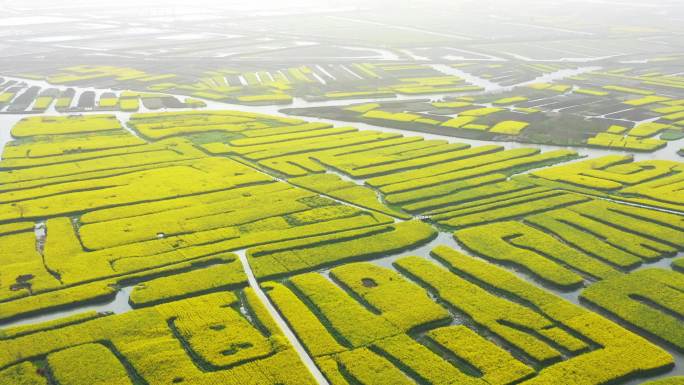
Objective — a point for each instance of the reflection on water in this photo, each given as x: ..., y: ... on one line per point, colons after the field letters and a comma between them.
x: 6, y: 124
x: 669, y: 152
x: 117, y: 305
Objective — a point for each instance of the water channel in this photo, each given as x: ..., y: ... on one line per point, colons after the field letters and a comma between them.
x: 119, y: 303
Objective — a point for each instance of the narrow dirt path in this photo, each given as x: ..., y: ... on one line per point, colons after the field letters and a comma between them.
x: 284, y: 327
